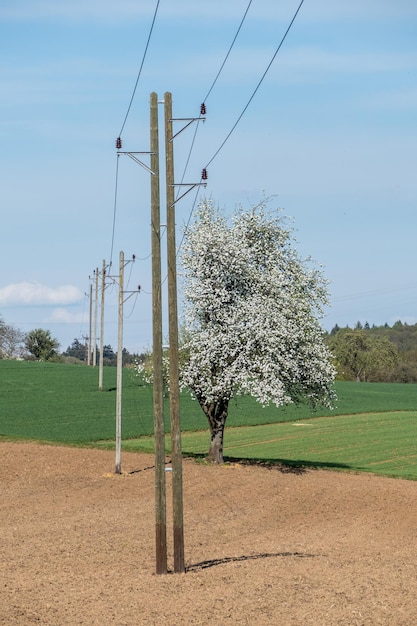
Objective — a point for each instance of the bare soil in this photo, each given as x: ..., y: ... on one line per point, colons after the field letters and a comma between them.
x: 262, y: 546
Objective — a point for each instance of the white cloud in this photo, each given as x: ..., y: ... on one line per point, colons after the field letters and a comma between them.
x: 65, y: 316
x: 32, y: 293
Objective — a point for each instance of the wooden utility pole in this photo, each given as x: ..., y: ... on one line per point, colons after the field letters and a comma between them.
x: 158, y: 397
x: 177, y: 495
x: 90, y: 331
x: 95, y: 321
x: 118, y: 467
x: 103, y: 287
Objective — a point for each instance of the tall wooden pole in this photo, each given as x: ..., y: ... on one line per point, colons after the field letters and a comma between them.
x: 118, y: 468
x: 90, y: 330
x: 158, y: 391
x: 103, y: 287
x: 177, y: 496
x: 95, y: 321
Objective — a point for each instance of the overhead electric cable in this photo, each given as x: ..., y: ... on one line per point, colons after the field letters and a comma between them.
x: 133, y: 306
x: 212, y: 86
x: 258, y: 85
x: 124, y: 123
x: 140, y: 69
x: 229, y: 51
x: 130, y: 274
x: 245, y: 108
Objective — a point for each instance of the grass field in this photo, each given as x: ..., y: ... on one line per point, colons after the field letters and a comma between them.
x: 375, y: 429
x: 381, y: 443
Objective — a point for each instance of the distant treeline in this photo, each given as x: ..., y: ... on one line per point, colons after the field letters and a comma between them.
x: 78, y: 351
x: 375, y: 353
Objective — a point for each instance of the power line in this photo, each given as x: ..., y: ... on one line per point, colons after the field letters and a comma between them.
x: 212, y: 86
x: 207, y: 95
x: 247, y: 104
x: 229, y: 51
x: 257, y: 86
x: 198, y: 122
x: 133, y: 306
x: 123, y: 125
x: 140, y: 69
x: 115, y: 205
x: 130, y: 274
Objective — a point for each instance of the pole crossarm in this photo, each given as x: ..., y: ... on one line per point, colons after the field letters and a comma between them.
x: 116, y: 277
x: 115, y: 281
x: 190, y: 120
x: 131, y: 293
x: 99, y: 272
x: 133, y: 156
x: 190, y: 186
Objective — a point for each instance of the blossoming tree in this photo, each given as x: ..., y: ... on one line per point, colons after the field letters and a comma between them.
x: 251, y: 316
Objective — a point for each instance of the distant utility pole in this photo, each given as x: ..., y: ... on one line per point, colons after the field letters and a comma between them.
x: 119, y: 373
x: 85, y: 339
x: 90, y: 325
x: 103, y: 288
x: 95, y: 320
x: 118, y: 468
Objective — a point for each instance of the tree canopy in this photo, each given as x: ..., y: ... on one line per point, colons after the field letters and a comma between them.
x: 361, y: 355
x: 375, y: 353
x: 77, y: 350
x: 251, y: 316
x: 41, y: 344
x: 11, y: 341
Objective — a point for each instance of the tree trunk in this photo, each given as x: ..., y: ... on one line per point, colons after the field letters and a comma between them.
x: 216, y: 413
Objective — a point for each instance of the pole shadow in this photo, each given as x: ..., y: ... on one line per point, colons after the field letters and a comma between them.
x: 249, y: 557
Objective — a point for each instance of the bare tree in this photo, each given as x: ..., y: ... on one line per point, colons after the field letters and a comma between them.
x: 11, y: 341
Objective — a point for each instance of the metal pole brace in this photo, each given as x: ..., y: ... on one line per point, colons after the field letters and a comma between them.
x: 190, y: 120
x: 135, y: 158
x: 191, y: 187
x: 132, y: 293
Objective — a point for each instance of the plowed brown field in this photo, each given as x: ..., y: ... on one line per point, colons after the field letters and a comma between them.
x: 262, y: 546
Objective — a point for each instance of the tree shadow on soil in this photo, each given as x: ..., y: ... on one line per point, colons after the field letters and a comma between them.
x: 250, y: 557
x: 285, y: 466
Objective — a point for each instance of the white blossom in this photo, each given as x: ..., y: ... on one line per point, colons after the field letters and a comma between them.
x: 252, y: 311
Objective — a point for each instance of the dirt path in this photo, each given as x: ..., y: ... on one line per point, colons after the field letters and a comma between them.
x: 262, y: 547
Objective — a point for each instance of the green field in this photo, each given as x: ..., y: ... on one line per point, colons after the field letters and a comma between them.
x: 381, y: 443
x: 373, y: 427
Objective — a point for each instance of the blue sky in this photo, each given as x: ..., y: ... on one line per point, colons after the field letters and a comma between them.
x: 330, y: 136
